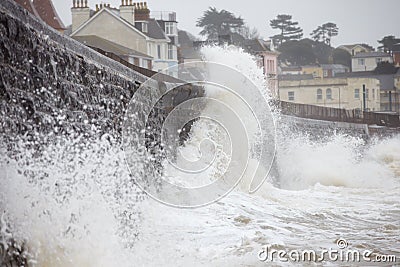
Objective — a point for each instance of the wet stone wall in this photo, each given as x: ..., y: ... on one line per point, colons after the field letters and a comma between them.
x: 50, y: 83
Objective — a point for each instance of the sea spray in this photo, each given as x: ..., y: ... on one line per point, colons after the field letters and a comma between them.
x: 73, y: 203
x: 70, y: 203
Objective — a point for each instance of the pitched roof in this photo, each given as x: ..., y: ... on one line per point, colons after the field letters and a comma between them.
x: 356, y: 74
x: 44, y: 10
x: 386, y: 81
x: 28, y: 5
x: 371, y: 54
x: 48, y: 13
x: 396, y: 48
x: 311, y: 66
x: 112, y: 13
x: 333, y: 67
x: 254, y: 45
x: 108, y: 46
x: 291, y: 68
x: 257, y: 45
x: 155, y: 31
x: 351, y: 46
x: 190, y: 53
x: 185, y: 39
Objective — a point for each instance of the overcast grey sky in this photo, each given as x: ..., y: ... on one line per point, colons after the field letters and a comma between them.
x: 359, y: 21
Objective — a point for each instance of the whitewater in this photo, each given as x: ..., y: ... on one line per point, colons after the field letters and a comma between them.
x: 74, y: 203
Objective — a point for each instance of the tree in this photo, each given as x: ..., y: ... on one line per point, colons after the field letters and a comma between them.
x: 297, y: 53
x: 325, y: 32
x: 249, y: 33
x: 318, y: 34
x: 388, y: 43
x: 216, y: 23
x: 385, y: 68
x: 288, y: 29
x: 341, y: 56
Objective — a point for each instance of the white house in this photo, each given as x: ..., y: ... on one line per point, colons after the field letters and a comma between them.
x: 369, y: 61
x: 354, y: 49
x: 132, y: 27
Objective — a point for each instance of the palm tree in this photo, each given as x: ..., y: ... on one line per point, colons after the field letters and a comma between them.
x: 216, y: 23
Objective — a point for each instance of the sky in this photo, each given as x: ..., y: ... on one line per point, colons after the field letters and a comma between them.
x: 359, y: 21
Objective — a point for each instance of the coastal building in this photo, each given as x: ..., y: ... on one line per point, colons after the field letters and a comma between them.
x: 338, y: 92
x: 331, y: 70
x: 315, y: 70
x: 186, y: 50
x: 267, y: 59
x: 389, y: 85
x: 319, y: 71
x: 132, y: 56
x: 396, y: 55
x: 289, y: 70
x: 354, y: 49
x: 132, y: 26
x: 44, y: 10
x: 262, y: 50
x: 369, y: 61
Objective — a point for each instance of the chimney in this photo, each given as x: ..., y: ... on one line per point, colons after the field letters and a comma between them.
x: 142, y: 13
x: 80, y: 13
x: 127, y: 11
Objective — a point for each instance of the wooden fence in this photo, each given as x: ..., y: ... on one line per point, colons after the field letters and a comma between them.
x: 335, y: 114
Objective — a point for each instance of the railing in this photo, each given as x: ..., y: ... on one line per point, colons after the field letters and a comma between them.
x: 292, y: 109
x: 341, y: 115
x: 163, y: 15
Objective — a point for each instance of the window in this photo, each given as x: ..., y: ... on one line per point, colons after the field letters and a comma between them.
x: 147, y: 64
x: 144, y: 27
x: 159, y: 51
x: 169, y: 28
x: 291, y: 96
x: 361, y: 61
x: 329, y: 94
x: 373, y: 93
x: 358, y: 113
x: 378, y: 60
x: 357, y: 93
x: 319, y: 94
x: 325, y: 73
x: 271, y: 66
x: 367, y: 94
x: 170, y: 51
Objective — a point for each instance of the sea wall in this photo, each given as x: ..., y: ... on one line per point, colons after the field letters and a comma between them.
x: 320, y: 128
x: 51, y: 83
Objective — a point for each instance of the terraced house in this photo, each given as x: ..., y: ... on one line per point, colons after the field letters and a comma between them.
x: 130, y: 31
x: 347, y: 92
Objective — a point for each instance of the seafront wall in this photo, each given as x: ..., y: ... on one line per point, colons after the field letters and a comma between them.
x: 51, y: 83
